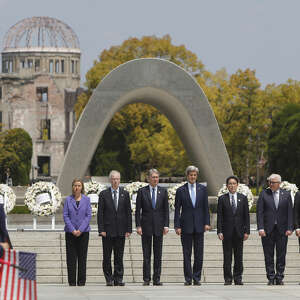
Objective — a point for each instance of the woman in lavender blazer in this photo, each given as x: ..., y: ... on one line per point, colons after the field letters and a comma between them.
x: 77, y: 215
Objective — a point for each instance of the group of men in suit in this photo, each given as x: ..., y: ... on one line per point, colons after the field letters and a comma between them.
x: 274, y: 212
x: 152, y: 223
x: 191, y: 220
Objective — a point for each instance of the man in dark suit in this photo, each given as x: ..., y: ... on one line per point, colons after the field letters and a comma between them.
x: 297, y: 216
x: 114, y: 224
x: 191, y: 220
x: 233, y: 227
x: 274, y: 223
x: 152, y: 222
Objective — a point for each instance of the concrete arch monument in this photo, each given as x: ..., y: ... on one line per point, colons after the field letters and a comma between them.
x: 170, y: 89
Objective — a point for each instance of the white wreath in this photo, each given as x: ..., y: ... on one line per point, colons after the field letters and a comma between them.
x: 132, y: 189
x: 291, y: 187
x: 43, y: 198
x: 7, y: 198
x: 242, y: 189
x: 172, y: 194
x: 92, y: 190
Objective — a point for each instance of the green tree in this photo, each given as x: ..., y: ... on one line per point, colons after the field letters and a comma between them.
x: 15, y: 154
x: 236, y: 101
x: 283, y: 146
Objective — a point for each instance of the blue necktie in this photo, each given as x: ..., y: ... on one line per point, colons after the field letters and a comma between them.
x: 153, y: 198
x: 193, y: 195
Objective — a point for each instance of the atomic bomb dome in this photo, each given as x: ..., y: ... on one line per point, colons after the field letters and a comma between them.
x: 40, y: 32
x: 39, y: 84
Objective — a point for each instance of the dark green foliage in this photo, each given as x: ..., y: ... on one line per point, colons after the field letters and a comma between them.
x: 15, y: 154
x: 284, y: 144
x: 112, y: 154
x: 20, y: 209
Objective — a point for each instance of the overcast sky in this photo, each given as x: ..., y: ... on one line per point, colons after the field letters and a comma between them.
x: 260, y: 34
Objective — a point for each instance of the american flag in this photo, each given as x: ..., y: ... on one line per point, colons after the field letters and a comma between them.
x: 18, y: 279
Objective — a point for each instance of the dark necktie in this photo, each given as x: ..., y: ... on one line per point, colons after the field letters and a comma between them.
x: 153, y: 198
x: 115, y: 199
x: 233, y: 204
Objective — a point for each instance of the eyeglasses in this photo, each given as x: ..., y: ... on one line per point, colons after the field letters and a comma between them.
x: 273, y: 182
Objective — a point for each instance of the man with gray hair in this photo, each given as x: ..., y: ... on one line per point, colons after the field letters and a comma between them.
x: 191, y: 220
x: 152, y: 222
x: 274, y: 211
x: 114, y: 224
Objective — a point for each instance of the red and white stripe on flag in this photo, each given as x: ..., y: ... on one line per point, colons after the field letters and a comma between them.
x: 18, y: 284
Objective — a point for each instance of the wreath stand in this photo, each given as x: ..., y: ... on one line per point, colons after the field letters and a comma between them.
x: 34, y: 222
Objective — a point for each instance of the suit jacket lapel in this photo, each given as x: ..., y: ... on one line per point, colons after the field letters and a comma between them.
x: 188, y: 194
x: 280, y: 197
x: 228, y: 202
x: 238, y: 202
x: 110, y: 198
x: 198, y: 192
x: 157, y: 196
x: 121, y: 197
x: 74, y: 203
x: 148, y: 195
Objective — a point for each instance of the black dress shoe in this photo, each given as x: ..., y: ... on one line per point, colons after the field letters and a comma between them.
x: 271, y: 282
x: 188, y: 283
x: 109, y: 283
x: 157, y: 283
x: 197, y: 282
x: 279, y: 282
x: 240, y: 282
x: 72, y: 284
x: 227, y: 282
x: 81, y: 284
x: 145, y: 283
x: 119, y: 283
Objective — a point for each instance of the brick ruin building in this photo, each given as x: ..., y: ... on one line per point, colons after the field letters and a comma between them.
x: 39, y: 85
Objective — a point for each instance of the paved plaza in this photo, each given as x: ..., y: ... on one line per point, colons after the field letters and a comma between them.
x: 169, y: 291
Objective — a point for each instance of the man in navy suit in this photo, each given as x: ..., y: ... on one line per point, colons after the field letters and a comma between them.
x: 274, y: 224
x: 152, y: 222
x: 114, y: 224
x: 191, y: 220
x: 233, y: 227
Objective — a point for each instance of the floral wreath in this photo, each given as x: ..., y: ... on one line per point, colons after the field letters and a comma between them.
x: 92, y: 190
x: 132, y: 189
x: 7, y: 198
x: 43, y: 198
x: 242, y: 189
x: 172, y: 194
x: 291, y: 187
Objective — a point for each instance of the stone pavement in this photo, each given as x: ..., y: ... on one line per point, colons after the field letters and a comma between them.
x: 169, y: 291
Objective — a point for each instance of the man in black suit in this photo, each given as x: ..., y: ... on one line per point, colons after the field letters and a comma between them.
x: 233, y: 227
x: 297, y: 216
x: 114, y: 224
x: 152, y: 222
x: 274, y: 224
x: 191, y: 220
